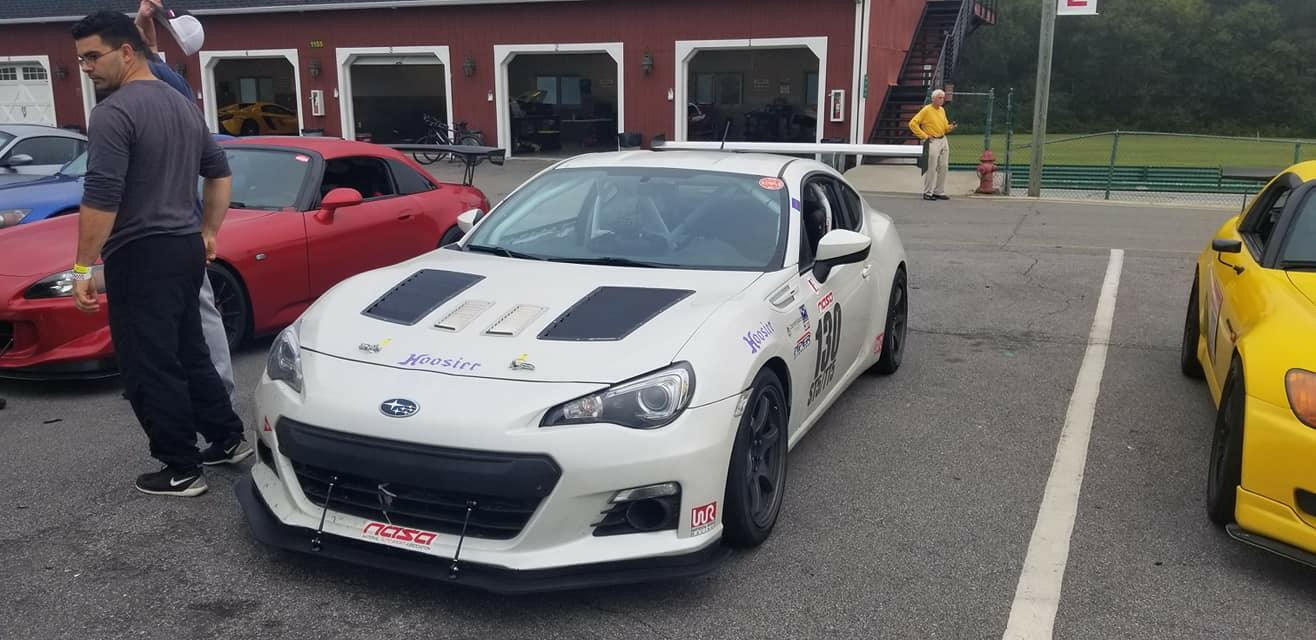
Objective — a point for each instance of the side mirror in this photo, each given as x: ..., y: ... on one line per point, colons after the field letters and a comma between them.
x: 467, y: 219
x: 337, y: 199
x: 839, y: 246
x: 1223, y: 245
x: 19, y: 160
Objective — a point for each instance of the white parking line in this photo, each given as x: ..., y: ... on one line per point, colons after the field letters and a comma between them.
x: 1033, y: 614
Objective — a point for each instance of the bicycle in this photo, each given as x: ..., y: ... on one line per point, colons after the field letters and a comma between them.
x: 440, y: 133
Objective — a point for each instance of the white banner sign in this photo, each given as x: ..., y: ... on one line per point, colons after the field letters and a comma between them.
x: 1077, y: 8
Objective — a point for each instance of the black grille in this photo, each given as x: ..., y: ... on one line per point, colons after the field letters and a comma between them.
x: 415, y: 507
x: 418, y: 486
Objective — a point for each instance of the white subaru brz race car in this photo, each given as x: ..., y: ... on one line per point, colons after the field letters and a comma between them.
x: 597, y: 385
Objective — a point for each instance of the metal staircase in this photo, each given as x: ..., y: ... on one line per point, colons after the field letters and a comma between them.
x: 931, y: 62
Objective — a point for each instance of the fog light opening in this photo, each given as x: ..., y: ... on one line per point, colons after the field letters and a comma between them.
x: 648, y: 515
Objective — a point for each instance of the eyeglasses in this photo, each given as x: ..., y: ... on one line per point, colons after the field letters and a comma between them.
x: 90, y: 59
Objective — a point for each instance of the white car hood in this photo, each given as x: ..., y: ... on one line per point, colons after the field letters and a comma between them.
x: 339, y: 324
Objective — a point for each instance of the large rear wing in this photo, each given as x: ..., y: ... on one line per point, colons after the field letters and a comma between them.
x: 471, y: 155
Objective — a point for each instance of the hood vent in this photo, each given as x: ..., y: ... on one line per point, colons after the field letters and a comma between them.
x: 515, y: 321
x: 419, y: 295
x: 463, y: 315
x: 611, y: 313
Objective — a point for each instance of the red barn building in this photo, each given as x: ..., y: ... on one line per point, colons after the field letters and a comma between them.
x: 535, y: 76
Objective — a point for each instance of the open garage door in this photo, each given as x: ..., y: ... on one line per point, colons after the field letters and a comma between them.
x: 25, y: 93
x: 559, y: 99
x: 250, y: 93
x: 751, y: 90
x: 391, y: 98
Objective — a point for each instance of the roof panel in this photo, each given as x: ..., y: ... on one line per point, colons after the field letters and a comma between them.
x: 36, y: 9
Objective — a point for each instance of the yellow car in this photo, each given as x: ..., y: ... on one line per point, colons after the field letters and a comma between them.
x: 258, y: 119
x: 1250, y: 331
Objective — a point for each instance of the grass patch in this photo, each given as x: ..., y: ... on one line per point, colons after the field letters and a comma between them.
x: 1138, y: 150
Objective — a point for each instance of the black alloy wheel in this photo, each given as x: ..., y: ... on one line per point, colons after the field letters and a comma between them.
x: 756, y: 480
x: 897, y: 324
x: 1192, y: 334
x: 1226, y: 469
x: 231, y: 302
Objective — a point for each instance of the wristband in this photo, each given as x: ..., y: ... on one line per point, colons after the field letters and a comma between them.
x: 81, y: 277
x: 79, y: 269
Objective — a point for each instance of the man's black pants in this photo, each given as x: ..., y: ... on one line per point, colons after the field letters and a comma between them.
x: 153, y: 286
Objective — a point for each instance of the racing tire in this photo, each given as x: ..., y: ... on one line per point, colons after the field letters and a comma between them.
x: 249, y: 128
x: 897, y: 325
x: 1226, y: 469
x: 1192, y: 335
x: 453, y: 234
x: 231, y: 301
x: 756, y: 477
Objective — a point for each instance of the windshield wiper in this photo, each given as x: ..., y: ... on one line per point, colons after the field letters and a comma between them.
x: 500, y: 251
x: 615, y: 261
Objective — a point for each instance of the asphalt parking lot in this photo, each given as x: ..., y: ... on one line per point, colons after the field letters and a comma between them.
x: 909, y: 508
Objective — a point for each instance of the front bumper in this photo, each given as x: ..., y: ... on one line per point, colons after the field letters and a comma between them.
x: 267, y: 528
x: 50, y: 338
x: 553, y: 543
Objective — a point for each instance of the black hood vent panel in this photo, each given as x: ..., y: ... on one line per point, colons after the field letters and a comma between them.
x: 419, y: 295
x: 611, y: 313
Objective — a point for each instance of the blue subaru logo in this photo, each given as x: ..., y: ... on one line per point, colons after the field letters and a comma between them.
x: 399, y: 408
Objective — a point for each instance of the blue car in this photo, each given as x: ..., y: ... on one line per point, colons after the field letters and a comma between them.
x: 47, y: 196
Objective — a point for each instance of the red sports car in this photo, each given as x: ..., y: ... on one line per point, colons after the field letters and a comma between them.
x: 306, y: 214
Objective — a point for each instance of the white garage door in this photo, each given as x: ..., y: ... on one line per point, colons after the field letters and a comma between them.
x: 25, y: 94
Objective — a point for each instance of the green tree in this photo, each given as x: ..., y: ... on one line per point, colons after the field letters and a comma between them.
x: 1201, y: 66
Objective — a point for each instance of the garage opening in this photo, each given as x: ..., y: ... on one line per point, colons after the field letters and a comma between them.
x: 25, y: 94
x: 256, y: 96
x: 395, y: 98
x: 562, y: 103
x: 753, y: 95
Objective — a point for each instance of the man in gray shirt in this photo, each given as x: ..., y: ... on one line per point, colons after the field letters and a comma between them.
x: 147, y: 145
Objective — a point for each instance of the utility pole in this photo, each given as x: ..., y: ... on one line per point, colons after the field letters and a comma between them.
x: 1042, y: 95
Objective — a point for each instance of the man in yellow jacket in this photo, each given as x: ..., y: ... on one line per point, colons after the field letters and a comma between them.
x: 931, y: 126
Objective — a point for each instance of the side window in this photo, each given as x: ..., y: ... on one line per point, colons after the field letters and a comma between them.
x: 365, y: 174
x: 816, y: 214
x: 1301, y: 245
x: 49, y: 150
x: 854, y: 206
x: 408, y: 180
x: 1264, y: 217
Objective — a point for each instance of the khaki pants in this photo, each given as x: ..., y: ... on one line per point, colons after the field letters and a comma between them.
x: 934, y: 180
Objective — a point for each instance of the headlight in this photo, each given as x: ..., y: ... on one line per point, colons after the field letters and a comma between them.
x: 60, y: 285
x: 285, y: 359
x: 1301, y: 387
x: 11, y: 217
x: 647, y: 402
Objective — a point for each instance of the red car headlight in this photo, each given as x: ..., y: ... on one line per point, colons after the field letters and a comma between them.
x: 1301, y: 387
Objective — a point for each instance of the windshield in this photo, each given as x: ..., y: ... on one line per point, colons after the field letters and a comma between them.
x: 1301, y: 246
x: 652, y: 217
x: 266, y: 178
x: 76, y: 167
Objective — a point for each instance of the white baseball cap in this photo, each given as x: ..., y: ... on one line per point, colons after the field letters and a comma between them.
x: 184, y: 27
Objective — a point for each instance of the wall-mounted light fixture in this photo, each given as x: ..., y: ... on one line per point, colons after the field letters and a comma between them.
x: 468, y: 66
x: 315, y: 68
x: 647, y: 63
